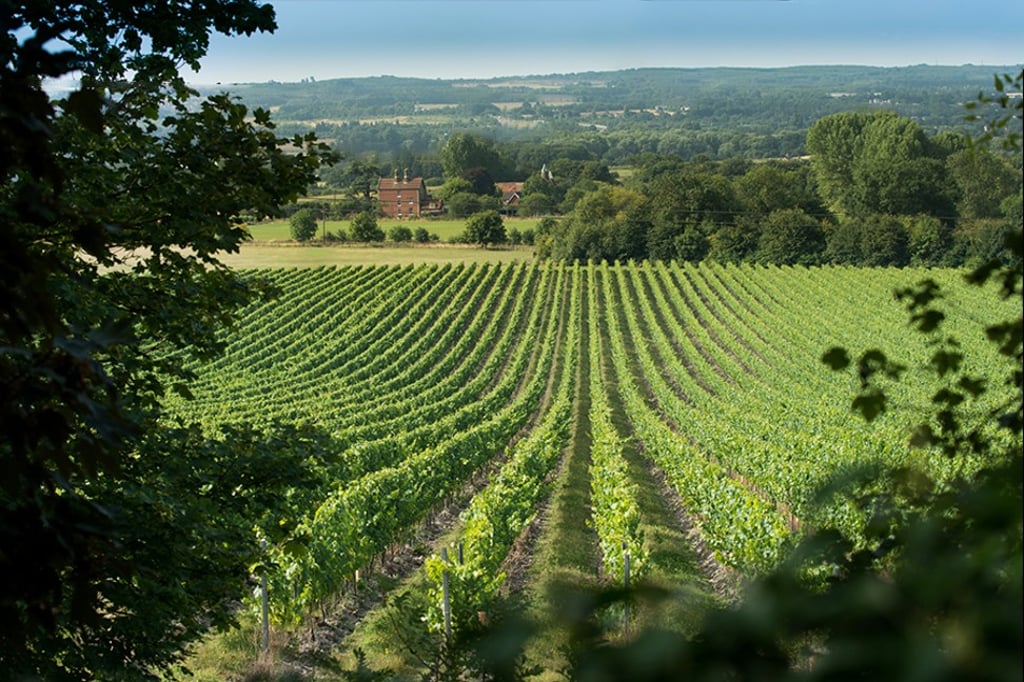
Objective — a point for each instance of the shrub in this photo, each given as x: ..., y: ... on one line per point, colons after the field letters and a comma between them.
x: 303, y: 225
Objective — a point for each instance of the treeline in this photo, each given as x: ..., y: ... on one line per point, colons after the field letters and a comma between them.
x: 613, y: 144
x: 767, y: 98
x: 877, y: 191
x: 718, y: 112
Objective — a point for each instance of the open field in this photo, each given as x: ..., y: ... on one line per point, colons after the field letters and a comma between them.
x: 683, y: 410
x: 290, y: 255
x: 446, y: 229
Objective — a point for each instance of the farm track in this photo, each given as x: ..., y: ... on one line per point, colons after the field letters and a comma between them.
x: 559, y: 550
x: 679, y: 558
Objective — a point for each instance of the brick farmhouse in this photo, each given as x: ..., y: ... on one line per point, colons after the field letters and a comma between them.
x: 406, y: 197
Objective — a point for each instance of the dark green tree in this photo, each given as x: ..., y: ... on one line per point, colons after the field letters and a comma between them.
x: 124, y: 540
x: 537, y: 204
x: 400, y: 233
x: 683, y: 207
x: 486, y: 228
x: 422, y: 235
x: 465, y: 204
x: 843, y: 243
x: 463, y: 151
x: 734, y: 243
x: 790, y: 237
x: 929, y: 242
x: 878, y: 162
x: 361, y: 176
x: 983, y: 181
x: 767, y: 187
x: 884, y: 241
x: 872, y: 241
x: 365, y: 228
x: 608, y: 223
x: 302, y: 224
x: 480, y: 181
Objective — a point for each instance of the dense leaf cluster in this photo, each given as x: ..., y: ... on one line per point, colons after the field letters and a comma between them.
x: 877, y: 191
x: 121, y: 541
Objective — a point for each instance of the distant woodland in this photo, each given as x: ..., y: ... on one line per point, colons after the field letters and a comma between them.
x: 808, y: 165
x: 719, y: 113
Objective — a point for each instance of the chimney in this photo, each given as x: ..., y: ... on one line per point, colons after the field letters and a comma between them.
x: 396, y: 175
x: 406, y: 177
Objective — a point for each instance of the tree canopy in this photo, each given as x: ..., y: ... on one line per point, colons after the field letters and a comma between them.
x: 302, y: 225
x: 485, y: 228
x: 115, y: 200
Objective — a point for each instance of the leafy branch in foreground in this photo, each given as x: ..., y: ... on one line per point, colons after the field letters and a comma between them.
x: 122, y: 540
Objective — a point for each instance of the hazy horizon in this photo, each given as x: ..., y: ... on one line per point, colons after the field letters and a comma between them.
x: 482, y: 39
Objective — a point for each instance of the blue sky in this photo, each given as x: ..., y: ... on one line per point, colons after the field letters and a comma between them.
x: 488, y: 38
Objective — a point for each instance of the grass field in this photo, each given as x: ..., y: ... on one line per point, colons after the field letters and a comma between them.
x: 445, y: 229
x: 272, y: 247
x: 290, y: 255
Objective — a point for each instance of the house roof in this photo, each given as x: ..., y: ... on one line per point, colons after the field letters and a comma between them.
x: 509, y: 187
x: 510, y: 192
x: 392, y: 184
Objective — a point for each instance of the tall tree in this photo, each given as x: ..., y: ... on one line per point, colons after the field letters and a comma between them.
x: 463, y: 151
x: 684, y: 207
x: 877, y: 163
x: 983, y: 181
x: 361, y: 177
x: 115, y: 201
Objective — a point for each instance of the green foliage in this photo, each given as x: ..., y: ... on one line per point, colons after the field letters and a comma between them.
x: 877, y: 163
x: 982, y: 181
x: 400, y: 233
x: 302, y: 225
x: 486, y: 228
x: 480, y: 181
x: 463, y: 151
x: 365, y: 228
x: 422, y: 235
x: 734, y: 243
x: 873, y: 241
x: 116, y: 201
x: 767, y: 187
x: 360, y: 177
x: 465, y: 204
x: 682, y: 207
x: 789, y: 237
x: 929, y: 241
x: 607, y: 224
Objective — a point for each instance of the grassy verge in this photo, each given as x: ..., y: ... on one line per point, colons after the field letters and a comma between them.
x: 674, y: 566
x: 566, y: 556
